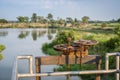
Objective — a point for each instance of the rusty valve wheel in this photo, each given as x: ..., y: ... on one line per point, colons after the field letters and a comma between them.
x: 65, y: 48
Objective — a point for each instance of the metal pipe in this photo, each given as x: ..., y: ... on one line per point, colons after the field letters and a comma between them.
x: 107, y: 62
x: 113, y: 54
x: 24, y: 57
x: 31, y: 74
x: 117, y: 67
x: 31, y: 65
x: 14, y: 71
x: 68, y: 72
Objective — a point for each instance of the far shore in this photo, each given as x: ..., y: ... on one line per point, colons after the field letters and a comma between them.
x: 23, y: 25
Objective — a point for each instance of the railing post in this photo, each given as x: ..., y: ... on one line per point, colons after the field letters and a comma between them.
x: 107, y: 65
x: 68, y: 66
x: 38, y: 69
x: 98, y: 64
x: 31, y: 65
x: 107, y: 62
x: 117, y: 66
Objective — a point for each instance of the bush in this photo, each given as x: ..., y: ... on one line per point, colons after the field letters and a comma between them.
x: 104, y: 25
x: 2, y: 47
x: 113, y: 43
x: 3, y: 21
x: 117, y: 31
x: 60, y: 39
x: 1, y: 56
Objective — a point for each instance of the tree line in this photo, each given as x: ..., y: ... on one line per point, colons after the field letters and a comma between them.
x: 49, y: 19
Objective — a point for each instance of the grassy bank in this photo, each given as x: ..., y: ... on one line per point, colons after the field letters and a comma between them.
x: 23, y: 25
x: 108, y: 42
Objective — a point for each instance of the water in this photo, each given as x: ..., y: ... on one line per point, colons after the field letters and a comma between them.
x: 25, y: 42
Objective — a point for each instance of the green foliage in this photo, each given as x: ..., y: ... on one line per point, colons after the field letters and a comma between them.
x: 118, y: 20
x: 90, y: 36
x: 69, y: 20
x: 23, y: 19
x: 50, y: 16
x: 85, y: 19
x: 104, y: 25
x: 117, y: 31
x: 48, y: 49
x: 63, y: 35
x: 34, y: 17
x: 3, y: 21
x: 113, y: 43
x: 41, y: 19
x: 60, y: 39
x: 1, y: 56
x: 2, y: 47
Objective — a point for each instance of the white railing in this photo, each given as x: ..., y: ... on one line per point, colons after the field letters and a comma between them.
x: 17, y: 75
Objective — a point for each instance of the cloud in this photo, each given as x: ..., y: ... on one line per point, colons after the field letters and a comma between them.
x: 49, y: 4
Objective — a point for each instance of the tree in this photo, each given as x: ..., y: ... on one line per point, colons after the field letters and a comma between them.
x: 23, y: 19
x: 117, y: 31
x: 50, y: 16
x: 69, y: 20
x: 3, y: 21
x: 20, y: 19
x: 61, y: 21
x: 85, y: 19
x: 118, y: 20
x: 34, y: 17
x: 76, y: 23
x: 40, y: 19
x: 26, y: 19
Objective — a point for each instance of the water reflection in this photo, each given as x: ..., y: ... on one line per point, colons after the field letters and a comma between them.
x: 23, y: 34
x: 41, y: 33
x: 34, y: 35
x: 51, y: 32
x: 3, y: 33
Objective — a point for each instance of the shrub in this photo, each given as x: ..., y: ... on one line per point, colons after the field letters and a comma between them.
x: 117, y: 31
x: 3, y: 21
x: 2, y: 47
x: 60, y: 39
x: 1, y: 56
x: 104, y: 25
x: 113, y: 43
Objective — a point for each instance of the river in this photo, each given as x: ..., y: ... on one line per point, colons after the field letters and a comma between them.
x: 25, y: 42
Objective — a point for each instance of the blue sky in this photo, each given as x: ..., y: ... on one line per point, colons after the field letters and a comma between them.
x: 95, y: 9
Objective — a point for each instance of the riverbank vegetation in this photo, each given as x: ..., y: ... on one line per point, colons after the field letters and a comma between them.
x: 108, y: 38
x: 37, y: 21
x: 2, y: 47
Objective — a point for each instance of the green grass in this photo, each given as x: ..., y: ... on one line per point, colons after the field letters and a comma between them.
x: 105, y: 37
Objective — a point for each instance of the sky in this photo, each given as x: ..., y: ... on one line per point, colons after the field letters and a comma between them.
x: 95, y: 9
